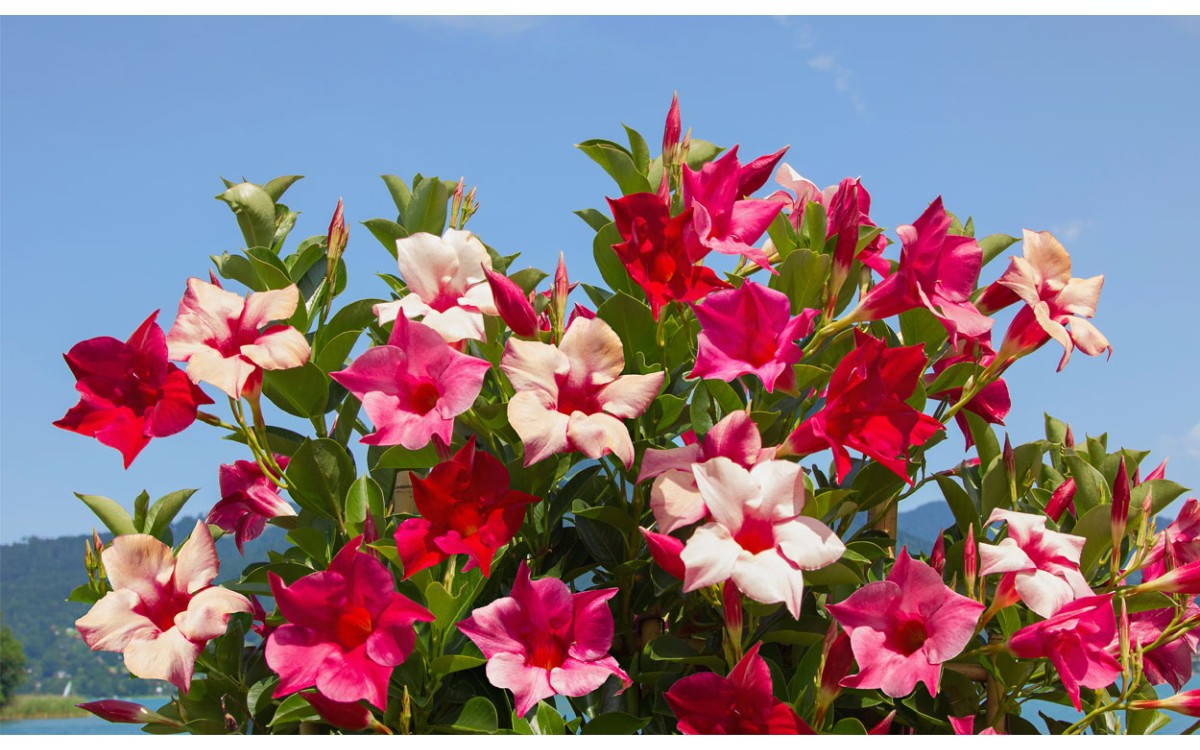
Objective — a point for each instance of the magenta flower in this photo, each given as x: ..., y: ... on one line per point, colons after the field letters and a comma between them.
x: 1181, y: 540
x: 544, y: 641
x: 346, y: 630
x: 992, y: 403
x: 162, y: 609
x: 228, y: 341
x: 129, y: 392
x: 248, y: 500
x: 724, y: 222
x: 742, y: 703
x: 1171, y: 662
x: 1042, y: 279
x: 447, y: 285
x: 902, y: 629
x: 573, y: 396
x: 750, y: 331
x: 1042, y: 565
x: 1077, y: 640
x: 513, y: 306
x: 757, y: 535
x: 674, y: 497
x: 937, y: 271
x: 413, y: 387
x: 966, y: 726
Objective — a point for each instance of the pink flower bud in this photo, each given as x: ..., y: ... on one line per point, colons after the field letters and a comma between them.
x: 1120, y: 506
x: 338, y: 234
x: 562, y: 288
x: 1182, y: 580
x: 513, y: 305
x: 1062, y: 499
x: 666, y: 552
x: 937, y: 558
x: 731, y: 605
x: 1009, y: 457
x: 1186, y: 703
x: 971, y: 559
x: 837, y: 662
x: 125, y: 712
x: 1160, y: 472
x: 1069, y: 438
x: 350, y: 716
x: 671, y: 130
x: 884, y: 724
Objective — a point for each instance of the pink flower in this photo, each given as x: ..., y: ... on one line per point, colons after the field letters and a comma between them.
x: 750, y: 331
x: 903, y: 629
x: 865, y: 408
x: 674, y: 497
x: 130, y: 393
x: 757, y: 536
x: 162, y: 609
x: 937, y: 271
x: 447, y: 284
x: 413, y: 387
x: 248, y: 500
x: 966, y: 725
x: 573, y: 396
x: 228, y: 341
x: 992, y: 403
x: 544, y: 641
x: 1042, y: 279
x: 722, y: 221
x: 467, y: 508
x: 1181, y: 538
x: 1172, y: 661
x: 1077, y: 641
x: 1186, y: 703
x: 346, y: 630
x: 742, y: 703
x: 1042, y: 565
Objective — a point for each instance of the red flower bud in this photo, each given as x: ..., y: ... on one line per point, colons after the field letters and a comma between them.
x: 1120, y: 506
x: 937, y: 558
x: 125, y: 712
x: 513, y: 305
x: 1062, y: 499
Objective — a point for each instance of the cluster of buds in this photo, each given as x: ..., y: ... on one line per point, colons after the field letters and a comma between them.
x: 94, y: 564
x: 462, y: 207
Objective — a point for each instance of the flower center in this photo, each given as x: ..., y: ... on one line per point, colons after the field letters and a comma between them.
x: 909, y: 636
x: 756, y: 535
x: 353, y: 627
x: 545, y: 651
x: 573, y: 398
x: 423, y: 397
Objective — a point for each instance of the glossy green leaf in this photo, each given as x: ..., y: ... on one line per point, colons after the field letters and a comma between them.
x: 364, y: 497
x: 110, y: 513
x: 702, y: 152
x: 387, y: 232
x: 294, y: 709
x: 319, y: 474
x: 301, y: 391
x: 802, y: 278
x: 547, y: 720
x: 451, y: 663
x: 594, y: 219
x: 638, y: 150
x: 993, y: 245
x: 615, y: 723
x: 478, y: 715
x: 426, y: 212
x: 278, y: 186
x: 612, y: 270
x: 255, y: 212
x: 163, y: 512
x: 634, y: 324
x: 399, y: 191
x: 619, y: 164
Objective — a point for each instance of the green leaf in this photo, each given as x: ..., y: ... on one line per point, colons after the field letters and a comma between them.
x: 238, y: 268
x: 802, y: 278
x: 595, y: 219
x: 85, y: 594
x: 401, y: 195
x: 993, y: 245
x: 954, y: 376
x: 301, y: 391
x: 528, y: 278
x: 269, y: 268
x: 311, y: 542
x: 278, y: 186
x: 702, y: 152
x: 110, y: 513
x: 451, y: 663
x: 612, y: 270
x: 255, y: 212
x: 634, y: 324
x: 965, y: 513
x: 671, y: 407
x: 164, y: 510
x: 399, y: 457
x: 638, y: 150
x: 670, y: 648
x: 986, y: 444
x: 364, y: 497
x: 919, y: 326
x: 294, y: 709
x: 615, y: 723
x: 831, y: 575
x: 320, y: 474
x: 387, y: 232
x: 1096, y: 527
x: 547, y: 720
x: 618, y: 163
x: 1056, y: 431
x: 849, y: 725
x: 426, y: 212
x: 141, y: 504
x: 478, y: 715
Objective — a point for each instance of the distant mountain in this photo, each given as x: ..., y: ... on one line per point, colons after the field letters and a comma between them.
x: 35, y: 577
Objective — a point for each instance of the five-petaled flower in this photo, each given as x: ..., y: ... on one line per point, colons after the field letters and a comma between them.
x: 721, y: 218
x: 904, y: 628
x: 228, y: 341
x: 346, y: 629
x: 543, y: 640
x: 1040, y: 566
x: 573, y: 396
x: 466, y: 508
x: 129, y: 392
x: 162, y: 609
x: 248, y: 500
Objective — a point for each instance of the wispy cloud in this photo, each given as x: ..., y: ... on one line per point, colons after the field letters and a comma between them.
x: 491, y: 25
x: 843, y: 79
x: 1069, y: 231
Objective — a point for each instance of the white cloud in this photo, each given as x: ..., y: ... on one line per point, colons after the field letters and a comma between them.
x: 1069, y: 231
x: 843, y: 79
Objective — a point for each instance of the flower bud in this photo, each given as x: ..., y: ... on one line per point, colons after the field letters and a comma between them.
x: 354, y: 716
x: 456, y: 204
x: 970, y: 561
x: 512, y: 304
x: 884, y: 724
x: 1069, y: 439
x: 1010, y: 458
x: 338, y: 234
x: 1186, y: 703
x: 671, y: 133
x: 1061, y: 500
x: 1120, y: 507
x: 937, y: 558
x: 1160, y: 472
x: 1182, y: 580
x: 837, y: 659
x: 125, y: 712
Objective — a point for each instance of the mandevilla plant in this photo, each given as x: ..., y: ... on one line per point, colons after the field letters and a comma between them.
x: 592, y: 517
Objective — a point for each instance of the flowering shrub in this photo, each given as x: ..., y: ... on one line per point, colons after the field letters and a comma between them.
x: 513, y: 516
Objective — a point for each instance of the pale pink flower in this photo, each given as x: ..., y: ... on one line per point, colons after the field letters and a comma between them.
x: 757, y: 536
x: 413, y: 387
x: 1078, y: 641
x: 248, y: 500
x: 1042, y: 565
x: 902, y: 629
x: 162, y: 609
x: 544, y: 641
x: 447, y: 285
x: 573, y: 396
x: 674, y: 497
x: 228, y: 341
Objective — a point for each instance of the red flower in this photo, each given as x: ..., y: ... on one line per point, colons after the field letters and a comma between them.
x: 466, y: 508
x: 991, y: 403
x: 865, y: 409
x: 660, y: 253
x: 130, y: 392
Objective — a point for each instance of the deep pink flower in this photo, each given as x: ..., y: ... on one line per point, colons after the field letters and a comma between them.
x: 661, y: 252
x: 228, y: 341
x: 346, y: 630
x: 674, y: 497
x: 413, y: 387
x: 750, y: 331
x: 757, y: 535
x: 966, y: 725
x: 1186, y: 703
x: 722, y: 220
x: 903, y: 629
x: 544, y: 641
x: 742, y: 703
x: 1042, y: 565
x: 447, y: 286
x: 129, y: 391
x: 1171, y: 662
x: 467, y: 508
x: 937, y: 271
x: 353, y: 717
x: 1077, y: 641
x: 248, y: 500
x: 162, y: 609
x: 865, y: 408
x: 573, y: 396
x: 1042, y: 279
x: 992, y: 403
x: 1182, y: 537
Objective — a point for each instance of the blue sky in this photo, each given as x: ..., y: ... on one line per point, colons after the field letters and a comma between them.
x: 115, y: 131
